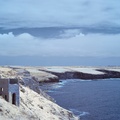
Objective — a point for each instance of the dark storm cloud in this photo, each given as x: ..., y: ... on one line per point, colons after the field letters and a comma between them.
x: 39, y: 13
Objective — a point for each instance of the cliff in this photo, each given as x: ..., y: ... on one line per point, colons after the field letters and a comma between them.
x: 85, y: 73
x: 34, y: 103
x: 37, y: 105
x: 33, y: 107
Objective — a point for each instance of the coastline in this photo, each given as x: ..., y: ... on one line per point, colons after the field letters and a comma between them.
x: 34, y: 103
x: 31, y: 77
x: 80, y: 72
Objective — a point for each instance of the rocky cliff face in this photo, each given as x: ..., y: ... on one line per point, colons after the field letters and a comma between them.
x: 34, y: 103
x: 33, y: 106
x: 71, y: 73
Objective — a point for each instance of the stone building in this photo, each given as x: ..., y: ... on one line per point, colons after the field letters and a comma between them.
x: 9, y: 90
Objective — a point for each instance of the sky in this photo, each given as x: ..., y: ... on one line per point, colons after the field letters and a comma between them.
x: 60, y: 28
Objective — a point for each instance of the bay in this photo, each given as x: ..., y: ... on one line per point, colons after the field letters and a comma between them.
x: 91, y: 100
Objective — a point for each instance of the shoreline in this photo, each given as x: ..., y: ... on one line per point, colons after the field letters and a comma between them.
x: 85, y: 73
x: 31, y: 77
x: 34, y: 103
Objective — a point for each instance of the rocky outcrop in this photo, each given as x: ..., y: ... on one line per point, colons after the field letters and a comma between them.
x: 110, y: 73
x: 86, y: 76
x: 41, y: 76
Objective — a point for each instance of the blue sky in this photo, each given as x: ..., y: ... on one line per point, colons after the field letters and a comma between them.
x: 77, y: 27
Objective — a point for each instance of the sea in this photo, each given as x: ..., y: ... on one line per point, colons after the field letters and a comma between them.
x: 88, y: 99
x: 58, y: 61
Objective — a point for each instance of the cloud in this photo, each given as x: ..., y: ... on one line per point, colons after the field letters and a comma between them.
x: 70, y: 33
x: 39, y: 13
x: 76, y: 45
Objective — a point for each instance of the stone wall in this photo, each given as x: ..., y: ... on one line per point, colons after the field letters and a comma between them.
x: 10, y: 92
x: 14, y: 90
x: 4, y: 88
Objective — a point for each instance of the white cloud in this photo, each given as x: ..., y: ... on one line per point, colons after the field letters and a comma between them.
x: 78, y: 45
x: 39, y: 13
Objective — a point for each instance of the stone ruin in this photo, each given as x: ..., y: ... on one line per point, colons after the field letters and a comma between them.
x: 9, y: 90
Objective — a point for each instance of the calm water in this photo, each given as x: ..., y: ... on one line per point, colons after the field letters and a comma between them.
x: 91, y: 100
x: 59, y: 61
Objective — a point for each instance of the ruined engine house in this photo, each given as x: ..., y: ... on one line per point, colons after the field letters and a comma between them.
x: 9, y: 90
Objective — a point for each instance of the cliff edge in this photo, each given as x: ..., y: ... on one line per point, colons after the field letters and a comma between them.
x: 34, y: 103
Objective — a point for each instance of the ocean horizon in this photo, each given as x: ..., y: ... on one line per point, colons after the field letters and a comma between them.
x: 58, y: 61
